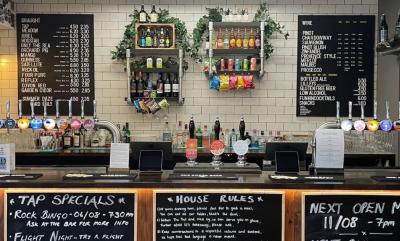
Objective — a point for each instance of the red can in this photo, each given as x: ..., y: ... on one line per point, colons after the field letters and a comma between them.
x: 222, y: 67
x: 253, y: 64
x: 231, y: 64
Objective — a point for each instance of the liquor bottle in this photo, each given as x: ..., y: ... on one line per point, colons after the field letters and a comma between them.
x: 140, y: 85
x: 95, y: 139
x: 247, y: 138
x: 191, y: 128
x: 127, y: 133
x: 167, y: 40
x: 257, y: 41
x: 207, y: 47
x: 262, y: 140
x: 155, y: 39
x: 82, y: 132
x: 397, y: 29
x: 142, y: 15
x: 76, y: 138
x: 239, y: 40
x: 220, y: 40
x: 226, y: 39
x: 161, y: 41
x: 232, y: 138
x: 383, y: 30
x: 251, y: 40
x: 175, y: 85
x: 242, y: 128
x: 166, y: 135
x: 160, y: 86
x: 217, y: 128
x: 153, y: 15
x: 185, y: 134
x: 199, y: 137
x: 67, y: 138
x: 149, y: 83
x: 179, y: 135
x: 167, y: 85
x: 227, y: 139
x: 232, y: 40
x: 245, y: 39
x: 149, y: 39
x: 206, y: 138
x: 133, y: 86
x: 142, y: 41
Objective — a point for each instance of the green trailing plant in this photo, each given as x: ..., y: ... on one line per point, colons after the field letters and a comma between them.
x: 129, y: 40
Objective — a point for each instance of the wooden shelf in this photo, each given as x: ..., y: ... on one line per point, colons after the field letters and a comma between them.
x: 217, y: 52
x: 155, y: 70
x: 390, y: 51
x: 155, y: 51
x: 236, y: 24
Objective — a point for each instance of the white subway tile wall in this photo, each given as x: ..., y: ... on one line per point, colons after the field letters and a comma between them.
x: 271, y: 106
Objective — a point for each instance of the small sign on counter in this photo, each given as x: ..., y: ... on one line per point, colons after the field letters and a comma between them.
x: 7, y: 158
x: 329, y: 148
x: 119, y: 156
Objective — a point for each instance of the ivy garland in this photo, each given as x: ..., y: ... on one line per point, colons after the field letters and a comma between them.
x: 129, y: 40
x: 215, y: 15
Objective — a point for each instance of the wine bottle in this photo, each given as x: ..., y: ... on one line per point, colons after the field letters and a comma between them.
x: 133, y: 86
x: 191, y: 128
x: 153, y: 15
x: 383, y: 30
x: 175, y: 85
x: 167, y: 40
x: 160, y: 86
x: 217, y: 128
x: 167, y: 85
x: 140, y: 86
x: 155, y: 38
x: 161, y: 41
x: 142, y: 15
x: 149, y: 39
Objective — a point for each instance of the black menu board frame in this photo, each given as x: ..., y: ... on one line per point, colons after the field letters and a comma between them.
x: 346, y: 220
x: 338, y: 64
x: 72, y: 191
x: 57, y: 61
x: 218, y: 192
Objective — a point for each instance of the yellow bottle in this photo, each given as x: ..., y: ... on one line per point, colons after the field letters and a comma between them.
x: 239, y: 39
x: 245, y: 40
x: 251, y: 40
x: 220, y: 40
x: 232, y: 40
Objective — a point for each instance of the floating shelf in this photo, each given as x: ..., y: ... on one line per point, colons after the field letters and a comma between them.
x: 390, y: 51
x: 155, y: 70
x: 236, y: 24
x: 217, y: 52
x: 253, y: 72
x: 158, y: 98
x: 154, y: 51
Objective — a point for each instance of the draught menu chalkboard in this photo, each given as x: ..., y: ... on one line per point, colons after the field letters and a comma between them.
x: 70, y: 216
x: 208, y: 216
x: 55, y: 61
x: 349, y: 217
x: 335, y: 62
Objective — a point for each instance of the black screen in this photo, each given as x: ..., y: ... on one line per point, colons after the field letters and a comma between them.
x: 150, y: 160
x: 287, y: 161
x: 272, y: 147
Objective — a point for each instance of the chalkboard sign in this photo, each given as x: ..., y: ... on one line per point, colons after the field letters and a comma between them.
x: 55, y: 61
x: 335, y: 62
x: 70, y: 216
x: 351, y: 217
x: 212, y: 216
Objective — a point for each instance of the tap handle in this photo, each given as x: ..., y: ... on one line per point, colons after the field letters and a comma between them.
x: 45, y: 110
x: 387, y: 110
x: 338, y: 110
x: 399, y: 110
x: 94, y: 109
x: 20, y: 109
x: 82, y: 109
x: 362, y: 111
x: 70, y: 108
x: 32, y: 104
x: 8, y: 109
x: 57, y: 108
x: 350, y: 110
x: 375, y: 110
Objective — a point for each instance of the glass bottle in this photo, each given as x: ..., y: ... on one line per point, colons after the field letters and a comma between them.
x: 67, y: 138
x: 227, y: 139
x: 142, y: 42
x: 155, y: 38
x: 185, y: 135
x: 251, y: 40
x: 220, y: 40
x: 239, y: 40
x: 232, y: 138
x: 149, y: 39
x: 140, y: 85
x: 167, y: 40
x: 226, y: 39
x: 179, y: 135
x: 167, y: 135
x: 397, y: 29
x: 175, y: 85
x: 160, y: 86
x: 232, y: 40
x: 199, y: 137
x: 191, y: 128
x: 133, y: 85
x: 167, y: 85
x: 245, y: 39
x: 206, y: 138
x: 127, y: 133
x: 383, y: 30
x: 142, y: 15
x: 257, y: 41
x: 161, y: 39
x: 153, y: 15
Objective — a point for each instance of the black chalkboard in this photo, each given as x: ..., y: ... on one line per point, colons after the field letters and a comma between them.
x: 348, y: 217
x: 55, y: 61
x: 70, y: 216
x: 335, y: 62
x: 208, y: 216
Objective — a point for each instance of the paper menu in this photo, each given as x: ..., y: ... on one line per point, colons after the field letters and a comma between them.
x: 329, y: 148
x: 119, y: 156
x: 7, y: 158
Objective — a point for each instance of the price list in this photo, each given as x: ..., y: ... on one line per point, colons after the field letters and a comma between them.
x: 55, y: 61
x: 335, y: 62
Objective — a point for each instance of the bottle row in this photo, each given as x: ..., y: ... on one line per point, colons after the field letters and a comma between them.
x: 155, y: 36
x: 144, y: 17
x: 166, y: 85
x: 384, y: 41
x: 237, y: 39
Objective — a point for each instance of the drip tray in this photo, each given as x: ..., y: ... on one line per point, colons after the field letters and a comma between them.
x: 251, y: 168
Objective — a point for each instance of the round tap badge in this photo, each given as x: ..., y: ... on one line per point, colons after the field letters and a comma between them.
x: 76, y: 124
x: 386, y: 125
x: 2, y: 123
x: 396, y: 125
x: 217, y: 148
x: 49, y: 124
x: 10, y: 123
x: 36, y: 124
x: 373, y: 125
x: 241, y: 148
x: 359, y: 125
x: 23, y: 123
x: 62, y: 124
x: 88, y: 124
x: 346, y: 125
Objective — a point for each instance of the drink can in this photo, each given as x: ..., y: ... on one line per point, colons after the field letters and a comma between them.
x: 231, y: 63
x: 245, y: 64
x: 238, y: 65
x: 253, y: 64
x: 222, y: 67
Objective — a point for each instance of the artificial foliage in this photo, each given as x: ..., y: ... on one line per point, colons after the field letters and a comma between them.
x: 128, y: 40
x: 215, y: 15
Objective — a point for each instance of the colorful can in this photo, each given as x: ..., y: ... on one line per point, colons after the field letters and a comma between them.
x: 222, y: 65
x: 238, y: 65
x: 245, y: 64
x: 253, y: 64
x: 231, y: 63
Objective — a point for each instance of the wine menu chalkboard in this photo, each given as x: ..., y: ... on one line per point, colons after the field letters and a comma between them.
x: 212, y: 216
x: 351, y: 217
x: 335, y: 62
x: 40, y: 216
x: 55, y: 61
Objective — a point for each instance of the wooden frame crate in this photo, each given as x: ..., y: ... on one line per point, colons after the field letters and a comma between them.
x: 156, y: 25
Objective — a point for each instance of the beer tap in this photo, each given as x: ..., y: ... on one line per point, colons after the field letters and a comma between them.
x: 23, y: 123
x: 35, y: 123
